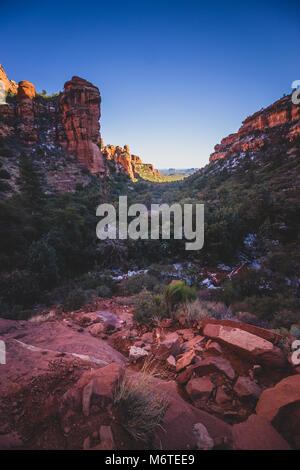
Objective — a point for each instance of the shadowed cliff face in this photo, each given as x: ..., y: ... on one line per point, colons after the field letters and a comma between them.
x: 279, y: 122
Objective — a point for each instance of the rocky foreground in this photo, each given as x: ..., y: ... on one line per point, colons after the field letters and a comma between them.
x: 229, y: 385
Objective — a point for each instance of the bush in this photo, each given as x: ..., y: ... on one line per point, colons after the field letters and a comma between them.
x: 20, y: 287
x: 178, y: 293
x: 204, y: 309
x: 74, y: 300
x: 104, y: 291
x: 140, y: 406
x: 136, y: 284
x: 148, y: 307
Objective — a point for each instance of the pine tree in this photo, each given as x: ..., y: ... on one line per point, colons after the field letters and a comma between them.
x: 29, y: 182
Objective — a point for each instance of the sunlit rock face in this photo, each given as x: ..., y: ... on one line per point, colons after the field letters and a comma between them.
x: 80, y: 113
x: 280, y: 121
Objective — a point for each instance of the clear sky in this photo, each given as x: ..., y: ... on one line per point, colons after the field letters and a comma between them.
x: 175, y: 76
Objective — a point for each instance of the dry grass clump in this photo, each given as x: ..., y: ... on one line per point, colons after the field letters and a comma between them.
x: 205, y: 309
x: 141, y: 406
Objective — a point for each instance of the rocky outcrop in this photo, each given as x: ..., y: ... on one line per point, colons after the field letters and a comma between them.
x: 79, y: 107
x: 9, y: 85
x: 61, y: 133
x: 278, y: 122
x: 126, y: 162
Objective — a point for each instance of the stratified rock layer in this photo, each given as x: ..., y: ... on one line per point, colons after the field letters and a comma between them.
x: 280, y: 121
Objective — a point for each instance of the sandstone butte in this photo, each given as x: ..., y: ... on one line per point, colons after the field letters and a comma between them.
x: 277, y: 122
x: 69, y: 121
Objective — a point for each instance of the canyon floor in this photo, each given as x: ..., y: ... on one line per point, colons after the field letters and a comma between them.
x: 227, y: 385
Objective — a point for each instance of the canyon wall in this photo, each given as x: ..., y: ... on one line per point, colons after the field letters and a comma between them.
x: 280, y: 121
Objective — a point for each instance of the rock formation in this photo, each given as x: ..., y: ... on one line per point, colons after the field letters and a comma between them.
x: 79, y: 107
x: 9, y: 85
x: 59, y: 383
x: 127, y: 162
x: 280, y: 121
x: 61, y: 132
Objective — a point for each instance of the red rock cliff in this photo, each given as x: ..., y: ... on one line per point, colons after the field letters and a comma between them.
x: 80, y: 113
x: 279, y: 121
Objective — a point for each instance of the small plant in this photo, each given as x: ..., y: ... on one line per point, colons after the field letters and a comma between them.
x: 141, y: 406
x: 148, y: 307
x: 178, y: 293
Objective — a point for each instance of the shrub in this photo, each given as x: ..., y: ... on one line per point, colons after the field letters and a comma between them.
x: 104, y: 291
x: 140, y: 406
x: 148, y: 307
x: 136, y: 284
x: 204, y: 309
x: 21, y: 287
x: 178, y: 293
x: 74, y: 300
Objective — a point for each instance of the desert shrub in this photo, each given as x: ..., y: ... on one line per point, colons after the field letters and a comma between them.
x: 95, y: 281
x: 74, y: 300
x: 104, y: 291
x: 148, y: 307
x: 136, y: 284
x: 199, y: 309
x: 20, y: 287
x: 178, y: 293
x: 285, y: 318
x: 140, y: 406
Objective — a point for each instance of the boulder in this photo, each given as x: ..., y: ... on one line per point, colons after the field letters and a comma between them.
x: 247, y: 388
x: 26, y: 90
x: 199, y: 387
x: 214, y: 348
x: 169, y: 346
x: 203, y: 439
x: 182, y: 416
x: 257, y: 434
x: 136, y: 353
x: 214, y: 365
x: 252, y: 346
x: 185, y: 360
x: 272, y: 400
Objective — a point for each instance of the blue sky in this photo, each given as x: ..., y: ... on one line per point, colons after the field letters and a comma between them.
x: 175, y: 76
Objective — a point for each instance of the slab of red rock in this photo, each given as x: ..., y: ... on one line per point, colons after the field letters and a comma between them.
x: 171, y: 363
x: 185, y: 360
x: 169, y: 346
x: 255, y: 330
x: 194, y: 343
x: 199, y: 387
x: 254, y: 347
x: 247, y: 388
x: 272, y: 400
x: 206, y: 366
x: 215, y: 348
x: 32, y: 346
x: 257, y: 434
x: 214, y: 364
x: 182, y: 416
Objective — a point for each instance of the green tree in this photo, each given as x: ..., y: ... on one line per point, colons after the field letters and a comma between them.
x: 29, y: 182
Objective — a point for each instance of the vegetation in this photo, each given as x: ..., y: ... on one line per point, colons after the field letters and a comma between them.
x: 140, y: 406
